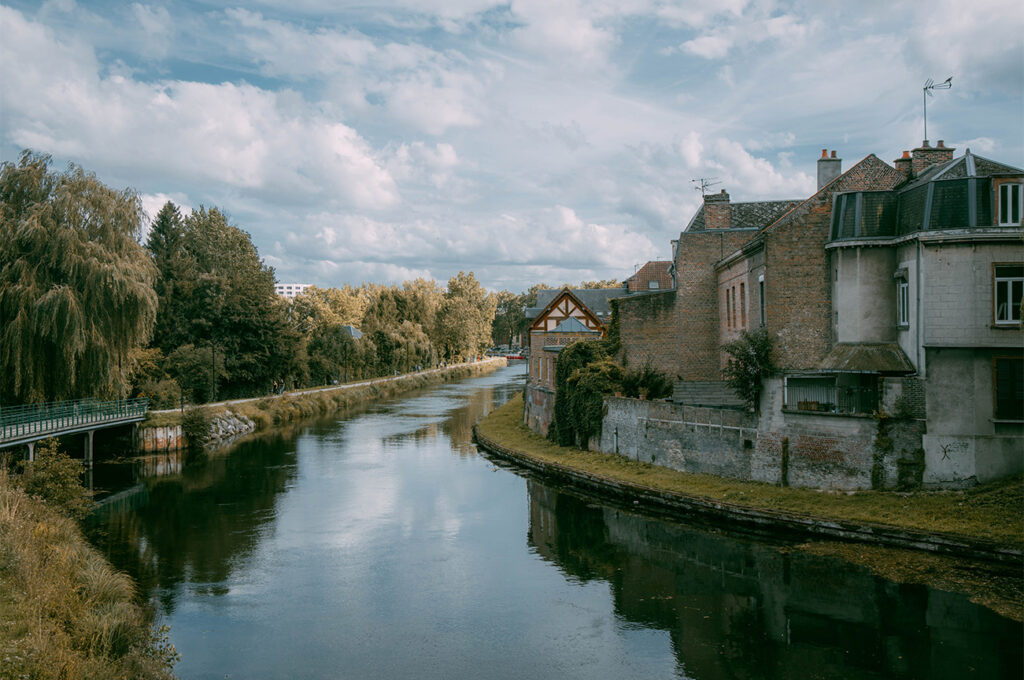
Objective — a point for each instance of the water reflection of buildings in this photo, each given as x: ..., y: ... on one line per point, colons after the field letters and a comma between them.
x: 735, y: 608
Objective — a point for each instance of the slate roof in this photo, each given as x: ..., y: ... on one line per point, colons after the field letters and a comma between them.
x: 352, y: 332
x: 596, y: 299
x: 968, y: 165
x: 572, y: 325
x: 749, y: 215
x: 865, y: 357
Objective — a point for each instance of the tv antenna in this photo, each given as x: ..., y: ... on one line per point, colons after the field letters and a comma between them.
x: 703, y: 184
x: 926, y: 92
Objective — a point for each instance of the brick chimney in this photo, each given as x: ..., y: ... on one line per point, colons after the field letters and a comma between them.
x: 926, y: 156
x: 717, y: 213
x: 829, y: 167
x: 905, y: 165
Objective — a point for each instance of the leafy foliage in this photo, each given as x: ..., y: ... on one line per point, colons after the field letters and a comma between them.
x: 195, y: 425
x: 56, y: 479
x: 565, y: 430
x: 646, y: 383
x: 587, y: 387
x: 76, y: 289
x: 750, y: 363
x: 462, y: 326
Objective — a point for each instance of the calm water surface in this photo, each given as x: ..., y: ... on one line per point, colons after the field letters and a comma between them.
x: 382, y: 545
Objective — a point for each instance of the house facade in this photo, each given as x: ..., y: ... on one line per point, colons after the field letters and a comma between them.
x: 561, y: 318
x: 894, y: 288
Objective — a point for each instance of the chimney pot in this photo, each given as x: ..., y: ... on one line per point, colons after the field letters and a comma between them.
x: 906, y: 154
x: 824, y: 153
x: 941, y: 145
x: 925, y: 145
x: 833, y: 153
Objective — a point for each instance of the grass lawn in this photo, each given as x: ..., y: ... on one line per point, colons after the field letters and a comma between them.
x: 993, y: 511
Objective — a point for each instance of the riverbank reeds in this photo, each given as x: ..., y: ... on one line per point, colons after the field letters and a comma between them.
x: 990, y: 512
x: 290, y: 407
x: 64, y: 611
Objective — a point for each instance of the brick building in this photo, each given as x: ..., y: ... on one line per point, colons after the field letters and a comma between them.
x: 655, y: 275
x: 886, y: 282
x: 561, y: 318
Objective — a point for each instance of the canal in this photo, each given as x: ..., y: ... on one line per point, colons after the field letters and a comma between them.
x: 381, y: 544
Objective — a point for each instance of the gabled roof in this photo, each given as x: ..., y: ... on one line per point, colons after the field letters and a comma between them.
x: 572, y: 325
x: 594, y: 299
x: 889, y: 178
x: 749, y: 215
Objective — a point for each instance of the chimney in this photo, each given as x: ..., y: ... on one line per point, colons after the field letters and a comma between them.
x: 717, y: 213
x: 926, y: 156
x: 905, y: 165
x: 829, y: 167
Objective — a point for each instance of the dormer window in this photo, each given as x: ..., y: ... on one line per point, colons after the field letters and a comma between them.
x: 1009, y: 204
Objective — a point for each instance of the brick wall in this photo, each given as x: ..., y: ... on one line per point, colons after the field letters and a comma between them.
x: 648, y: 331
x: 538, y: 408
x: 797, y: 282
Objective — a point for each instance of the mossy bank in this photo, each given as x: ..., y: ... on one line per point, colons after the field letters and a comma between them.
x: 983, y: 522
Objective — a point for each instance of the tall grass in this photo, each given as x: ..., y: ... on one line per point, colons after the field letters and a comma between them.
x: 64, y: 612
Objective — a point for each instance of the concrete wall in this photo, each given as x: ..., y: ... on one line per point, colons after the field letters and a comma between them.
x: 687, y: 438
x: 168, y: 438
x: 963, y: 445
x: 864, y: 294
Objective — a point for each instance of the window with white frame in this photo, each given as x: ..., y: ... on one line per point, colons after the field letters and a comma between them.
x: 1009, y: 285
x: 902, y: 302
x: 1009, y: 204
x: 652, y: 285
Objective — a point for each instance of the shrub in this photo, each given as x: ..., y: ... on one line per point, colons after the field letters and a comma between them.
x: 574, y: 357
x: 56, y: 479
x: 647, y: 383
x: 587, y: 388
x: 750, y: 363
x: 195, y: 425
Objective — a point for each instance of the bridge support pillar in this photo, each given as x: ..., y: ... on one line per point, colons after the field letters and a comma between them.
x: 31, y: 451
x: 88, y: 448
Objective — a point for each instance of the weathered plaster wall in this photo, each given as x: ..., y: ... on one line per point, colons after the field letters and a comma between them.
x: 687, y: 438
x: 538, y: 407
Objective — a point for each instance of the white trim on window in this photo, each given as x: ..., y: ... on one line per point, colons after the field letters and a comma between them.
x: 1009, y: 204
x: 902, y: 302
x: 1008, y: 286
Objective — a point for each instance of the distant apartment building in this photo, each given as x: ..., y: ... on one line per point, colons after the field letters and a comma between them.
x: 290, y: 290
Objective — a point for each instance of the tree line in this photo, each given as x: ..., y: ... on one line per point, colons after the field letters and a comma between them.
x: 86, y: 310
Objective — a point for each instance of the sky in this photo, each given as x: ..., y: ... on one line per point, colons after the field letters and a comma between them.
x: 527, y: 140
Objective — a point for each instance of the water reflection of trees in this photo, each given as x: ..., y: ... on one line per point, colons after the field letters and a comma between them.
x: 200, y: 524
x: 736, y: 608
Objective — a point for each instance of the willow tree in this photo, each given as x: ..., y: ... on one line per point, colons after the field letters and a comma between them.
x: 76, y: 288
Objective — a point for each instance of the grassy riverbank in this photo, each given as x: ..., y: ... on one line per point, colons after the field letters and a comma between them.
x: 291, y: 407
x: 992, y: 512
x: 64, y: 611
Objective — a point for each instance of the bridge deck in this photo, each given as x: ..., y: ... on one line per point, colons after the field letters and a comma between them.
x: 31, y: 422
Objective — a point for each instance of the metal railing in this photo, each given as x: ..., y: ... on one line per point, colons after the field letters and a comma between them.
x: 26, y: 419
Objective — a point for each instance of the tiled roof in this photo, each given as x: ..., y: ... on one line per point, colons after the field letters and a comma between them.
x: 750, y: 215
x: 882, y: 357
x: 655, y: 270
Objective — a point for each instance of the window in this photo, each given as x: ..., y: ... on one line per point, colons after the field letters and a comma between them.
x: 728, y: 309
x: 843, y: 393
x: 652, y: 285
x: 743, y: 305
x: 760, y: 296
x: 1009, y: 204
x: 1009, y: 284
x: 1008, y: 383
x: 902, y: 302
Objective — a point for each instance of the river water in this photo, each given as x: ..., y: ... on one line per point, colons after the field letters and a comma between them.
x: 381, y: 544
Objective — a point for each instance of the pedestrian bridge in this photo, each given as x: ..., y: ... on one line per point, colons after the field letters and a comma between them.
x: 28, y: 423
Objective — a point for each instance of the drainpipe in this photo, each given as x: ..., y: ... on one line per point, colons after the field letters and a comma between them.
x: 920, y: 317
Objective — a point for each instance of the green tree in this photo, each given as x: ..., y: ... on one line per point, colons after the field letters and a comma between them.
x: 509, y: 317
x: 749, y: 364
x: 462, y: 326
x: 76, y: 289
x: 56, y: 479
